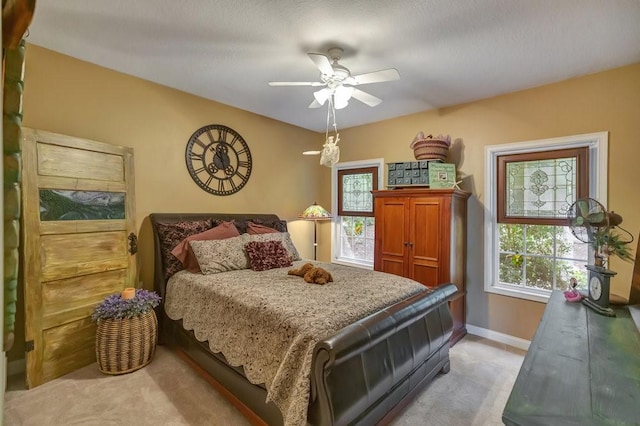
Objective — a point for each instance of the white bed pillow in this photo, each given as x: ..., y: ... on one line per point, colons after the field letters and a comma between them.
x: 216, y: 256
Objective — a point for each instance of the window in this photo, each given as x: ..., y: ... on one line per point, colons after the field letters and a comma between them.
x: 354, y: 224
x: 529, y: 186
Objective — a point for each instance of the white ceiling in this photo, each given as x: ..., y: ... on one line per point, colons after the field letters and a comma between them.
x: 447, y: 51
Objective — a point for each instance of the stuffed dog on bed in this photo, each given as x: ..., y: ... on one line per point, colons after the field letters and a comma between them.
x: 311, y: 274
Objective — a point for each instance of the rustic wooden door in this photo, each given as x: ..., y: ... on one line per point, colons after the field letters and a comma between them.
x: 79, y: 245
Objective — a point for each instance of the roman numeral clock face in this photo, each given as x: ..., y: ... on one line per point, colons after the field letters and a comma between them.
x: 218, y: 159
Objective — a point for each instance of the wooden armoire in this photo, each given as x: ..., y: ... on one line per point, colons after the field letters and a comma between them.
x: 421, y: 234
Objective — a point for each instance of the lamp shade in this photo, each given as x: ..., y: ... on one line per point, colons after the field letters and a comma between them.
x: 315, y: 212
x: 342, y: 95
x: 322, y: 95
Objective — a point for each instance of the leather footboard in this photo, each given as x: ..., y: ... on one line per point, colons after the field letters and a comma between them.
x: 358, y: 375
x: 362, y: 372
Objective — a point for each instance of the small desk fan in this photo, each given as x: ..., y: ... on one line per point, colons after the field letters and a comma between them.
x: 591, y: 223
x: 587, y: 218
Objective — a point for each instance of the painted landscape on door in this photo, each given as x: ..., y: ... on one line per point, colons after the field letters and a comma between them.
x: 58, y: 204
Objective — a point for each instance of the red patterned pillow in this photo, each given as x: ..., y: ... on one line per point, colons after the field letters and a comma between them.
x: 170, y: 235
x: 267, y: 255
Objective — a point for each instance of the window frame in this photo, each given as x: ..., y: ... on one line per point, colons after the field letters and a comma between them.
x: 377, y: 163
x: 597, y: 145
x: 582, y: 185
x: 355, y: 171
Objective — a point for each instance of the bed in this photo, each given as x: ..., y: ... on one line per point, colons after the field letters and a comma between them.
x: 358, y: 366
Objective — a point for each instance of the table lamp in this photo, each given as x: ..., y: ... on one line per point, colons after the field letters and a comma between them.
x: 315, y: 213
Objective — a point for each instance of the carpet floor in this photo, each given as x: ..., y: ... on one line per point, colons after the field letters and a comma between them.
x: 169, y: 392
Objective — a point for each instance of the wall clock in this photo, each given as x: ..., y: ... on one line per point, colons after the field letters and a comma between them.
x: 599, y: 287
x: 218, y: 159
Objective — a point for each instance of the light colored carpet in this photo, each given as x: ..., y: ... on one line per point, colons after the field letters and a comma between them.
x: 169, y: 392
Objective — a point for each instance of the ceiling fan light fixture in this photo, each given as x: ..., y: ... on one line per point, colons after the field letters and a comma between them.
x: 340, y: 103
x: 338, y: 82
x: 322, y: 96
x: 341, y: 96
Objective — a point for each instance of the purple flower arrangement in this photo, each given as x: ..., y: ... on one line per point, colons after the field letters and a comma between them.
x: 116, y: 307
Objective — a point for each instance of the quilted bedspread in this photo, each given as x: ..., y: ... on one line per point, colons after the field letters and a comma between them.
x: 268, y: 322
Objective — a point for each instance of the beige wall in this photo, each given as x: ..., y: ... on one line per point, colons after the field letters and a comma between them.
x: 608, y: 101
x: 72, y: 97
x: 76, y: 98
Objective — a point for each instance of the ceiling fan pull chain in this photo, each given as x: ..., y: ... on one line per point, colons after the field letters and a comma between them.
x: 326, y: 133
x: 333, y: 112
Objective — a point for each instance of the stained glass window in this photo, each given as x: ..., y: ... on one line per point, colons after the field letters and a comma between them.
x: 354, y: 192
x: 537, y: 250
x: 356, y: 222
x: 539, y: 188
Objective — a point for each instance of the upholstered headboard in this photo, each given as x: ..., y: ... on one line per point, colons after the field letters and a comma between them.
x: 159, y: 282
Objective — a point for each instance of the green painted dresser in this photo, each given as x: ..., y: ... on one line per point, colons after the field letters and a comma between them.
x: 582, y: 368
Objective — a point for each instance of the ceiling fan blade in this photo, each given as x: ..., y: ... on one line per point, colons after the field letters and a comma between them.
x: 295, y: 83
x: 311, y: 152
x: 322, y: 62
x: 315, y: 104
x: 375, y: 77
x: 366, y: 98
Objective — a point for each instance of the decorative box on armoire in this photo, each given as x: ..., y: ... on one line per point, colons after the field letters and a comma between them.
x: 421, y: 234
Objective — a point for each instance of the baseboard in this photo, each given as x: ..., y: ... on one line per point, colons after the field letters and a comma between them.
x: 507, y: 339
x: 16, y: 367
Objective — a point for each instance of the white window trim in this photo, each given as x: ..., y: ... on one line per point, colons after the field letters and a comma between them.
x: 374, y: 162
x: 597, y: 143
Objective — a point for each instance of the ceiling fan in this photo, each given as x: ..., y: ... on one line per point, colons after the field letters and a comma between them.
x: 338, y: 81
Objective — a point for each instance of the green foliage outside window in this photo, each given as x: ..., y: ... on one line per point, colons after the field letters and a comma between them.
x: 357, y: 237
x: 541, y: 256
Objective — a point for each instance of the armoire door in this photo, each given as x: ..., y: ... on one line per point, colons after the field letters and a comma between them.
x: 425, y: 240
x: 79, y: 223
x: 391, y: 236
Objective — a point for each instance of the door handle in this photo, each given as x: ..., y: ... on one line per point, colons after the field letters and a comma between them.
x: 133, y: 243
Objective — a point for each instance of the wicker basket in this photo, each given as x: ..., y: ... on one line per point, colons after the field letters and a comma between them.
x: 126, y: 345
x: 430, y: 149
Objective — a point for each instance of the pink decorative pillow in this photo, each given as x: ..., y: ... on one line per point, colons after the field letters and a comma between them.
x: 255, y: 229
x: 184, y: 252
x: 170, y: 235
x: 278, y: 225
x: 267, y: 255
